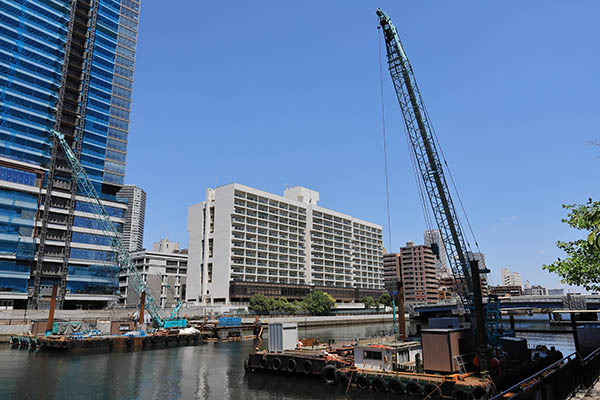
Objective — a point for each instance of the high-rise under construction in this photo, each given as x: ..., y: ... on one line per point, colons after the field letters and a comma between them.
x: 68, y: 66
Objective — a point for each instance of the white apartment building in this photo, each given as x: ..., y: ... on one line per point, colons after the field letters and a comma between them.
x: 164, y: 269
x: 510, y: 278
x: 243, y: 241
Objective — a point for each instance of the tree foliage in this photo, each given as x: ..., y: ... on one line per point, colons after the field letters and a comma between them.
x: 368, y: 302
x: 261, y: 304
x: 385, y: 299
x: 283, y: 305
x: 582, y: 265
x: 318, y: 302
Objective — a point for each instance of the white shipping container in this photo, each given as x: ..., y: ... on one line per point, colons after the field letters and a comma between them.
x: 283, y: 336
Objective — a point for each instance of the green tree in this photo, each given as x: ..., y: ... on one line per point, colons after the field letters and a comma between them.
x: 368, y: 302
x: 582, y: 265
x: 318, y: 302
x: 261, y: 304
x: 282, y: 304
x: 385, y: 299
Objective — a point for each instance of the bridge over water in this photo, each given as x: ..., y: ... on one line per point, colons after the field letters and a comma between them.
x: 548, y: 302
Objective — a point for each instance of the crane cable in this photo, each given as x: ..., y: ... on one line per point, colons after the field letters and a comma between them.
x: 385, y: 160
x: 426, y: 212
x: 452, y: 180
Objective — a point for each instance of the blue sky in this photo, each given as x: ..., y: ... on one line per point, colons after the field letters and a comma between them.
x: 270, y: 94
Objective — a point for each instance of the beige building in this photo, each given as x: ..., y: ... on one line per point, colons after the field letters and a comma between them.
x: 419, y: 274
x: 391, y: 271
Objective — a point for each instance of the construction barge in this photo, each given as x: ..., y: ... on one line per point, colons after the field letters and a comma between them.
x: 128, y: 335
x: 101, y: 343
x: 441, y: 365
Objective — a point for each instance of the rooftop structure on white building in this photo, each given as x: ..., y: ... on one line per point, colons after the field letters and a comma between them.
x: 244, y: 241
x: 164, y: 269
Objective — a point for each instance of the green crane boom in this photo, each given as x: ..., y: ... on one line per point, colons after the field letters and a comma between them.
x: 122, y: 254
x: 430, y: 168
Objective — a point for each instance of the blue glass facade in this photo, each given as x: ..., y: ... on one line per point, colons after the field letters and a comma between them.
x: 37, y: 37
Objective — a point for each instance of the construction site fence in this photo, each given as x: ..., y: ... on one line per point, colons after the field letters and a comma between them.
x: 558, y: 381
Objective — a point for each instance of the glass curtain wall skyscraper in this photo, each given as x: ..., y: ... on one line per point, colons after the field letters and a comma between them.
x: 67, y: 66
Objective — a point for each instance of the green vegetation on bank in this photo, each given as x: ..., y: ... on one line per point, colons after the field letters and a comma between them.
x: 316, y: 302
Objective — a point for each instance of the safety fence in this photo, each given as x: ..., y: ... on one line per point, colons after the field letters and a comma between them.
x: 557, y: 381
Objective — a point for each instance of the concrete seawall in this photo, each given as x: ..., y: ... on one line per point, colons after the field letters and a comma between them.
x: 305, y: 322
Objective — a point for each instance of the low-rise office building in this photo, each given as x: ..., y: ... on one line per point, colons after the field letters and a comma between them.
x: 164, y: 269
x: 506, y: 290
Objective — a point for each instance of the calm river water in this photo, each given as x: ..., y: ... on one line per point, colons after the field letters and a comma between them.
x: 208, y: 371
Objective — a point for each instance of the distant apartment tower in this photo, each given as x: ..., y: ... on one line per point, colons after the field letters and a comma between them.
x: 164, y: 269
x: 133, y: 229
x: 391, y: 271
x: 419, y: 273
x: 535, y: 290
x: 244, y: 241
x: 433, y: 237
x: 510, y: 278
x: 66, y: 66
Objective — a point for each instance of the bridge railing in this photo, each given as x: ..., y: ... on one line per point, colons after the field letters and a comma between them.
x: 557, y: 381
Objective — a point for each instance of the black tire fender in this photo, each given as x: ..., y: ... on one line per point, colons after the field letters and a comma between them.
x: 329, y: 373
x: 247, y: 366
x: 396, y: 386
x: 379, y: 384
x: 413, y: 388
x: 276, y: 364
x: 263, y: 362
x: 291, y: 365
x: 362, y: 382
x: 307, y: 367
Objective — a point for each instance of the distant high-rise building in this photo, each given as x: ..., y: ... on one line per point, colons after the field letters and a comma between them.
x: 133, y: 229
x: 391, y: 271
x: 419, y: 273
x: 65, y: 66
x: 480, y: 258
x: 510, y: 278
x: 244, y: 241
x: 433, y: 237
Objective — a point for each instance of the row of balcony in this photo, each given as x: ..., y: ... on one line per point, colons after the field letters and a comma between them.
x: 273, y: 264
x: 263, y: 200
x: 346, y: 228
x: 291, y: 274
x: 267, y: 213
x: 293, y: 281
